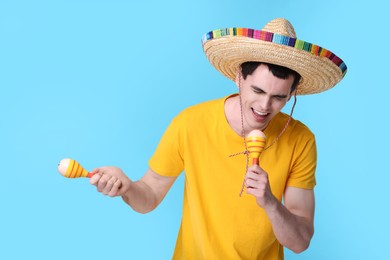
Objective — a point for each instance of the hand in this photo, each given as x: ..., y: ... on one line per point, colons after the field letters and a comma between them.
x: 257, y: 184
x: 110, y: 181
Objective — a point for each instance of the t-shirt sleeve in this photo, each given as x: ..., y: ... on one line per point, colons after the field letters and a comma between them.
x: 303, y: 170
x: 167, y: 160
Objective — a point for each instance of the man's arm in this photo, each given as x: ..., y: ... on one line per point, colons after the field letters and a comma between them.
x: 147, y: 193
x: 143, y: 195
x: 292, y: 223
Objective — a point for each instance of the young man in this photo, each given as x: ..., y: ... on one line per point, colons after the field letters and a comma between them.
x: 269, y: 67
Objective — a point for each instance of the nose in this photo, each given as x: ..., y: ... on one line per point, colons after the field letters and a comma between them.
x: 265, y: 103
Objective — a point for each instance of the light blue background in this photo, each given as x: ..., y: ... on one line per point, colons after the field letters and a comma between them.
x: 99, y: 81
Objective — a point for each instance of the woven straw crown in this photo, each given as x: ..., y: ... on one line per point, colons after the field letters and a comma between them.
x: 276, y: 43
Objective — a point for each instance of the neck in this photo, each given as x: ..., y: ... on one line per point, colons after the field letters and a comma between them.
x: 233, y: 113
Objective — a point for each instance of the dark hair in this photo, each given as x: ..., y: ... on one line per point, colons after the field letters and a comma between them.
x: 247, y: 68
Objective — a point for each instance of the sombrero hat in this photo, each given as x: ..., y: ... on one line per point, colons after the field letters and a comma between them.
x: 276, y: 43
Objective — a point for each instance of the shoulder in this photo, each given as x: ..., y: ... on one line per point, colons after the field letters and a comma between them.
x: 295, y: 126
x: 296, y: 131
x: 202, y: 111
x: 204, y: 106
x: 300, y: 129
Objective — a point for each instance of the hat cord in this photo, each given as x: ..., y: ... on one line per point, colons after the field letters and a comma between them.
x: 246, y: 152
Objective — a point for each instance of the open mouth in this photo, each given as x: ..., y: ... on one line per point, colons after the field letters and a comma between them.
x: 259, y: 115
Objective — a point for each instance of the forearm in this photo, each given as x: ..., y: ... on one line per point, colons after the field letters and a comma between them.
x: 292, y: 231
x: 140, y: 197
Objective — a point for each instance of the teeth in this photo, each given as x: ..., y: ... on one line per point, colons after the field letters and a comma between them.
x: 259, y: 113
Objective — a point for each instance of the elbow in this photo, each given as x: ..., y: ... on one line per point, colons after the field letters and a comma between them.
x: 141, y: 202
x: 141, y: 208
x: 303, y: 243
x: 144, y: 210
x: 300, y: 248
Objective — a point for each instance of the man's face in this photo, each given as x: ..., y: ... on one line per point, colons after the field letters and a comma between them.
x: 263, y: 96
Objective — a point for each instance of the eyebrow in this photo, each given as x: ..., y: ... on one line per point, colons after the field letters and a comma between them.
x: 261, y: 90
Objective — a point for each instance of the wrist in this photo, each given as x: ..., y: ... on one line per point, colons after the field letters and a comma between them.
x: 125, y: 192
x: 272, y: 205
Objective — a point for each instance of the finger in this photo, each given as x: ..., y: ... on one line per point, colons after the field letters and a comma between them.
x: 249, y: 183
x: 252, y: 176
x: 115, y: 190
x: 255, y: 168
x: 102, y: 182
x: 94, y: 171
x: 259, y: 183
x: 256, y: 176
x: 255, y: 191
x: 95, y: 179
x: 252, y: 191
x: 110, y: 183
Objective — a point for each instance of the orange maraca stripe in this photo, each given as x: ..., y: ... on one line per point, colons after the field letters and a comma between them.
x: 74, y: 170
x: 256, y: 143
x: 257, y: 139
x: 80, y: 171
x: 255, y: 147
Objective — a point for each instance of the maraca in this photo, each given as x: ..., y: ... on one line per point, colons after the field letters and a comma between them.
x: 71, y: 169
x: 255, y: 142
x: 255, y: 145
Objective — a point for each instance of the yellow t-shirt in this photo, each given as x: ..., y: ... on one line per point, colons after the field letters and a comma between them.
x: 217, y: 223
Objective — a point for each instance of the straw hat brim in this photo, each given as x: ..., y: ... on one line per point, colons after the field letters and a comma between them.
x: 227, y: 49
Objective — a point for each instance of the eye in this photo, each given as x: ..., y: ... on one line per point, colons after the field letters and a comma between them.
x: 280, y: 98
x: 257, y: 90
